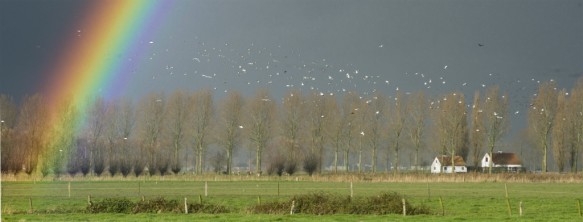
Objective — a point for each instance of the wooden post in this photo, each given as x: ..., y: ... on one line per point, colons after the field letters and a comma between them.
x: 428, y: 192
x: 143, y: 198
x: 69, y: 188
x: 520, y: 208
x: 199, y: 199
x: 206, y: 187
x: 404, y: 207
x: 89, y: 200
x: 442, y: 208
x: 30, y: 205
x: 579, y: 207
x: 507, y: 200
x: 258, y: 200
x: 508, y: 205
x: 351, y: 190
x: 185, y: 206
x: 291, y: 211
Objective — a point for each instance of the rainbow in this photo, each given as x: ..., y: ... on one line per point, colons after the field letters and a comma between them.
x: 97, y: 61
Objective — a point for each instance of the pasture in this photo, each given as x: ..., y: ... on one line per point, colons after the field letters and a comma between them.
x: 67, y: 199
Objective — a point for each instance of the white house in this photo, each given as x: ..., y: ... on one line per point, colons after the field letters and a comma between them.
x: 442, y: 164
x: 501, y: 161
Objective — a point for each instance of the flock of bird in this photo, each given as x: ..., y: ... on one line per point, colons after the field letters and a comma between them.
x: 228, y: 67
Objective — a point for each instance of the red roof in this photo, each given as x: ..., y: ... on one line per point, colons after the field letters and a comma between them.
x: 446, y: 160
x: 505, y: 159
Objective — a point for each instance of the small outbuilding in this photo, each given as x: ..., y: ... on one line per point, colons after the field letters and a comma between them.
x: 502, y: 162
x: 442, y: 164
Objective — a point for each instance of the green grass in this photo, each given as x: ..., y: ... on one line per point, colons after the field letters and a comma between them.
x: 462, y: 201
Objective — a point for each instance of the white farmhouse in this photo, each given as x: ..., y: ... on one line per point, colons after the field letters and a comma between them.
x: 507, y: 162
x: 442, y: 164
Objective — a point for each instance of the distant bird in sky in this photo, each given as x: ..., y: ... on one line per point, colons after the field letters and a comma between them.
x: 480, y: 44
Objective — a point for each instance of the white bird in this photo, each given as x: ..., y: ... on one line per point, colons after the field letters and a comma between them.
x: 445, y: 67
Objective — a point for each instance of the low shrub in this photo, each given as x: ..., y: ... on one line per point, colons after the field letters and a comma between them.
x: 111, y: 205
x: 323, y: 203
x: 207, y: 208
x: 157, y: 205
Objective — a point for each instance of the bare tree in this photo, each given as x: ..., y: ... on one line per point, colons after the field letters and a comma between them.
x: 397, y: 119
x: 450, y: 119
x: 261, y: 111
x: 177, y: 121
x: 119, y: 124
x: 229, y: 125
x: 376, y: 118
x: 203, y: 113
x: 561, y: 131
x: 11, y: 161
x: 575, y: 116
x: 64, y: 133
x: 31, y: 123
x: 541, y: 117
x: 292, y: 125
x: 350, y: 107
x: 150, y: 123
x: 337, y: 126
x: 477, y: 133
x: 362, y: 121
x: 95, y: 131
x: 318, y: 124
x: 417, y: 115
x: 496, y: 118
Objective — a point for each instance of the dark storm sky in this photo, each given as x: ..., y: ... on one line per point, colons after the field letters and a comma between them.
x: 324, y: 45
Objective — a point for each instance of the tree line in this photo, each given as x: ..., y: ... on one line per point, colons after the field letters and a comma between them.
x: 193, y: 132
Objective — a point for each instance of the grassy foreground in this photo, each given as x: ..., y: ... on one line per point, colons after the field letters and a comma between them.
x: 472, y: 201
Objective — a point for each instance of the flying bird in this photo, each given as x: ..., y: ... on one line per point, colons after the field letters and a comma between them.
x: 480, y: 44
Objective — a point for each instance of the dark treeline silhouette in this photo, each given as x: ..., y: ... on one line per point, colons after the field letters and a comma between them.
x: 315, y: 132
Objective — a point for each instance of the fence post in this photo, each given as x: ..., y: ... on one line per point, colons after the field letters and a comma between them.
x: 351, y: 190
x: 185, y: 206
x: 291, y: 212
x: 579, y: 207
x: 206, y: 189
x: 404, y: 207
x: 89, y: 200
x: 428, y: 192
x: 199, y: 199
x: 30, y: 205
x: 520, y: 208
x: 442, y: 208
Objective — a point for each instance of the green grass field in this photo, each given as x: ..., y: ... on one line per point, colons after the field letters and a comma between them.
x: 470, y: 201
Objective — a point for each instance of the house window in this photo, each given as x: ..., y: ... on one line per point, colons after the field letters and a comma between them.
x: 434, y: 168
x: 486, y: 159
x: 463, y: 168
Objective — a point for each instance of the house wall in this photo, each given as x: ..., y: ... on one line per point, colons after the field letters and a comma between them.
x: 435, y: 166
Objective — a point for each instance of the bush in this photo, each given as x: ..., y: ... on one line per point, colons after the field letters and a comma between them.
x: 324, y: 203
x: 158, y: 205
x: 291, y: 167
x: 111, y: 205
x: 207, y: 209
x: 311, y: 163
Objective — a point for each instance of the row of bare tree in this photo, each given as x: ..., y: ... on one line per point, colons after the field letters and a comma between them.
x: 158, y: 134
